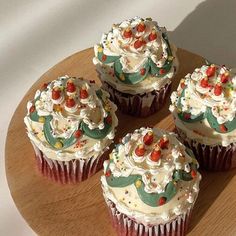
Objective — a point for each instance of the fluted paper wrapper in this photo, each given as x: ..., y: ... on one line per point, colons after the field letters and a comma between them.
x: 126, y: 226
x: 139, y: 105
x: 64, y: 172
x: 211, y: 158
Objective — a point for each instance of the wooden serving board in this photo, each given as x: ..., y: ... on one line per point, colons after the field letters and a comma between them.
x: 54, y: 209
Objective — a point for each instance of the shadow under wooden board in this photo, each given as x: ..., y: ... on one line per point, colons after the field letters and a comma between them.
x: 54, y: 209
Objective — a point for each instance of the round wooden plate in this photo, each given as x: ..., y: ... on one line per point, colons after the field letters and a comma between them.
x: 54, y: 209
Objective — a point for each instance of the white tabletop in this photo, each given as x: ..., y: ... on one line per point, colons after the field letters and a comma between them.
x: 35, y: 35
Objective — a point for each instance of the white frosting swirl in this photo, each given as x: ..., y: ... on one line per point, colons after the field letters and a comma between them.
x: 66, y: 117
x: 132, y: 58
x: 204, y: 90
x: 155, y: 177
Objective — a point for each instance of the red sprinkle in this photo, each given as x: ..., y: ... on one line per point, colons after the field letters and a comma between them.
x: 182, y: 85
x: 56, y: 93
x: 109, y: 119
x: 140, y: 150
x: 83, y: 93
x: 104, y: 57
x: 127, y: 33
x: 162, y: 201
x: 218, y: 89
x: 78, y: 133
x: 156, y: 155
x: 148, y: 138
x: 162, y: 71
x: 187, y: 116
x: 70, y: 102
x: 223, y: 128
x: 142, y: 71
x: 44, y: 86
x: 152, y: 36
x: 193, y: 173
x: 32, y: 109
x: 211, y: 70
x: 224, y: 77
x: 163, y: 143
x: 204, y: 82
x: 70, y: 87
x: 141, y: 27
x: 138, y: 43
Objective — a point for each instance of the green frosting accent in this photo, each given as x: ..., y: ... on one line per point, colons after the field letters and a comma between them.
x: 157, y: 70
x: 192, y: 119
x: 130, y: 78
x: 152, y: 199
x: 189, y: 118
x: 148, y: 67
x: 121, y: 181
x: 181, y: 174
x: 47, y: 129
x: 230, y: 125
x: 96, y: 133
x: 34, y: 116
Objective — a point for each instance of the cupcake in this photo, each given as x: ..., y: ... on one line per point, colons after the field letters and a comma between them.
x: 70, y: 123
x: 204, y: 107
x: 136, y: 64
x: 150, y: 184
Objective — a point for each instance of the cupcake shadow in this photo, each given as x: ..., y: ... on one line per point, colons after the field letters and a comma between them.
x: 207, y: 30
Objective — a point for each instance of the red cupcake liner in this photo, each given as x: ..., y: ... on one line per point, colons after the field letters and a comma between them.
x: 64, y: 172
x: 126, y: 226
x: 140, y: 105
x: 211, y: 158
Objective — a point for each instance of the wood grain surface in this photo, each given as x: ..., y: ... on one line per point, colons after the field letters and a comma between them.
x: 54, y: 209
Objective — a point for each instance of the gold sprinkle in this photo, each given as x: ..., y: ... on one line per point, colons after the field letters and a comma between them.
x: 100, y: 49
x: 58, y: 145
x: 138, y: 183
x: 57, y: 108
x: 122, y: 77
x: 228, y: 92
x: 42, y: 119
x: 107, y: 108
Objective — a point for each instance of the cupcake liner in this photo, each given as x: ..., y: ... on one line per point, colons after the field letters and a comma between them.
x: 73, y: 171
x: 140, y: 105
x: 126, y: 226
x: 212, y: 158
